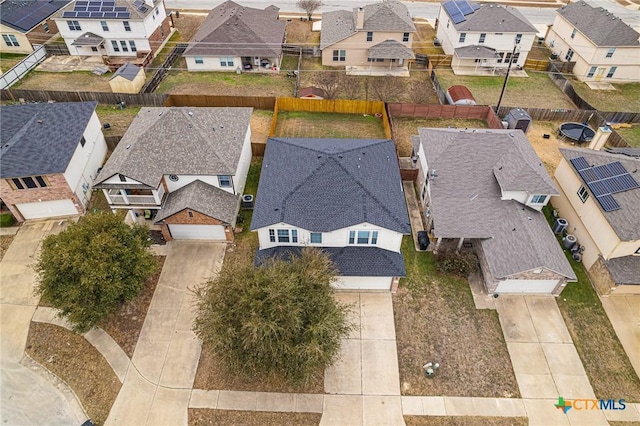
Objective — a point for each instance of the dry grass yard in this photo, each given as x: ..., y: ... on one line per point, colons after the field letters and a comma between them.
x: 118, y: 119
x: 465, y: 421
x: 327, y: 125
x: 205, y: 417
x: 81, y: 81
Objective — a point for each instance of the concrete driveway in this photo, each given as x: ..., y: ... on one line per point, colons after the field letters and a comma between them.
x: 26, y: 397
x: 624, y: 314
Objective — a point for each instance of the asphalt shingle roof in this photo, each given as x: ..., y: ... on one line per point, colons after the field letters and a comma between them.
x: 625, y: 221
x: 88, y: 39
x: 390, y: 49
x: 128, y: 71
x: 234, y: 30
x: 475, y: 51
x: 40, y: 139
x: 599, y: 25
x: 495, y: 18
x: 23, y: 15
x: 466, y: 197
x: 203, y: 198
x: 179, y: 140
x: 624, y: 270
x: 350, y: 261
x: 327, y: 184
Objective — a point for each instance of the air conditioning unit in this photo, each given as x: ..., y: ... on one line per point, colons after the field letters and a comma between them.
x: 560, y: 225
x: 247, y: 202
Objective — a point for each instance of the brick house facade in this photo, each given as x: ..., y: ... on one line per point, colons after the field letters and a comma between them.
x: 192, y: 217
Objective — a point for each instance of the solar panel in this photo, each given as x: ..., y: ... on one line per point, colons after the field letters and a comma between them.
x: 138, y: 3
x: 454, y: 12
x: 608, y: 203
x: 580, y: 163
x: 81, y: 3
x: 603, y: 171
x: 464, y: 7
x: 83, y: 14
x: 628, y: 182
x: 93, y: 8
x: 96, y: 14
x: 617, y: 168
x: 589, y: 175
x: 143, y: 9
x: 80, y: 8
x: 108, y: 3
x: 95, y: 3
x: 120, y: 8
x: 68, y: 14
x: 110, y: 14
x: 123, y: 15
x: 598, y: 188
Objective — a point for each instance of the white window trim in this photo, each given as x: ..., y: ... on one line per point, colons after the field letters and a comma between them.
x: 583, y: 194
x: 372, y: 240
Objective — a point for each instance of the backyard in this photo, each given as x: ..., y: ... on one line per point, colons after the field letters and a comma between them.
x: 82, y: 81
x: 9, y: 60
x: 119, y: 119
x: 535, y: 91
x: 631, y: 134
x: 298, y: 124
x: 625, y: 97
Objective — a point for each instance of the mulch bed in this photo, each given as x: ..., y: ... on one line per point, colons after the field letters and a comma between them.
x: 5, y: 242
x: 465, y: 421
x: 202, y: 417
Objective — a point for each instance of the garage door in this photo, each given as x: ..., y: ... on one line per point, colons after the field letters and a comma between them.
x: 527, y: 286
x: 46, y: 209
x: 362, y: 283
x: 197, y: 232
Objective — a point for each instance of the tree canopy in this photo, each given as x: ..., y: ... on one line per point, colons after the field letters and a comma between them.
x: 90, y: 269
x: 309, y: 6
x: 278, y: 318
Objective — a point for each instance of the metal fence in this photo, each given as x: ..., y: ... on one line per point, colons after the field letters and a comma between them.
x: 152, y: 84
x: 20, y: 69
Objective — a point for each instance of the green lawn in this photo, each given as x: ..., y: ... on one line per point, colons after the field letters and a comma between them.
x: 625, y: 98
x: 298, y: 124
x: 631, y: 135
x: 535, y: 91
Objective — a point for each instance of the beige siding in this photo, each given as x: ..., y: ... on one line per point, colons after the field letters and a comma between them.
x: 356, y: 48
x: 122, y: 85
x: 23, y: 41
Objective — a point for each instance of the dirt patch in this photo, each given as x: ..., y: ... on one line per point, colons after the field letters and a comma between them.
x: 65, y: 81
x: 74, y: 360
x: 405, y: 127
x: 327, y: 125
x: 119, y: 119
x: 465, y: 421
x: 124, y: 327
x: 423, y: 40
x: 5, y: 242
x: 547, y: 149
x: 299, y: 32
x: 202, y: 417
x: 260, y: 125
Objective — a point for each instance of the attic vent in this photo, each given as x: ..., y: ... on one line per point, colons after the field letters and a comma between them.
x: 221, y: 126
x: 40, y: 121
x: 190, y: 113
x: 128, y: 146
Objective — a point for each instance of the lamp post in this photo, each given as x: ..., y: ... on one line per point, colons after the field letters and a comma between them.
x: 506, y: 77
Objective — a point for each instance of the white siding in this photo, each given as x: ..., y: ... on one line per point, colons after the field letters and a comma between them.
x: 184, y: 180
x: 211, y: 63
x: 240, y: 178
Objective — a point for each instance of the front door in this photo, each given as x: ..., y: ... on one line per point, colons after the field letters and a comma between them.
x: 599, y: 74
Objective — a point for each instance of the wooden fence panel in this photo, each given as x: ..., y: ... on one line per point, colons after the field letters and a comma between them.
x: 112, y: 141
x: 257, y: 102
x: 144, y: 99
x: 340, y: 106
x: 536, y: 65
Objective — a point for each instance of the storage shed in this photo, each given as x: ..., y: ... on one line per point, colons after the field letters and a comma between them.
x: 311, y: 92
x: 460, y: 95
x: 518, y: 119
x: 127, y: 79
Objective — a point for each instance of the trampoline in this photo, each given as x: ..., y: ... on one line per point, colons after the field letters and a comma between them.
x: 577, y: 131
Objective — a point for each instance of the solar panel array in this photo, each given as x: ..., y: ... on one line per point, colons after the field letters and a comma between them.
x: 458, y: 9
x: 97, y: 9
x: 605, y: 180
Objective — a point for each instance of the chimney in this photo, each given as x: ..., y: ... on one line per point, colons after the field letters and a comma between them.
x: 600, y: 138
x: 360, y: 18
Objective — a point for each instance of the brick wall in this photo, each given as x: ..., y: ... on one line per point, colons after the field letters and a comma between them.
x: 58, y: 189
x: 196, y: 218
x: 38, y: 34
x: 158, y: 36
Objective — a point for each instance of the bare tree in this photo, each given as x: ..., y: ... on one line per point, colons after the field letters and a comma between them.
x: 329, y: 82
x: 421, y: 90
x: 387, y: 88
x: 309, y: 6
x: 351, y: 86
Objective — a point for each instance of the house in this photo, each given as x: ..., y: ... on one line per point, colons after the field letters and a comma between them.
x: 487, y: 188
x: 50, y: 153
x: 183, y: 169
x: 114, y: 28
x: 481, y: 37
x: 375, y: 37
x: 233, y: 36
x: 25, y: 24
x: 127, y: 79
x: 600, y: 199
x: 341, y: 195
x: 600, y: 44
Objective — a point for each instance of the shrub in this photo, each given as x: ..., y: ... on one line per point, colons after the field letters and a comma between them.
x: 6, y: 219
x: 458, y: 263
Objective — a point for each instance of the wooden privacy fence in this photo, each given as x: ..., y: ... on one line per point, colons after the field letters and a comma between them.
x: 112, y: 141
x: 257, y: 102
x: 467, y: 112
x: 144, y: 99
x: 536, y: 65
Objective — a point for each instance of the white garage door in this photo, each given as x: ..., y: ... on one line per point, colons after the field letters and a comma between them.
x: 362, y: 283
x: 197, y: 232
x: 47, y: 209
x: 527, y: 286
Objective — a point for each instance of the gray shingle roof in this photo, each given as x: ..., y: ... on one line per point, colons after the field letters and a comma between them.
x: 25, y: 15
x: 179, y: 140
x: 387, y: 16
x: 350, y: 261
x: 475, y: 51
x: 624, y: 270
x: 203, y: 198
x: 128, y: 71
x: 326, y: 184
x: 88, y: 39
x: 626, y: 221
x: 599, y: 25
x: 41, y: 138
x: 466, y: 197
x: 234, y: 30
x: 496, y: 18
x: 390, y: 49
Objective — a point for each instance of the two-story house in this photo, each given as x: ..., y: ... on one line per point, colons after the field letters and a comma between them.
x: 482, y: 37
x: 24, y: 24
x: 600, y: 199
x: 488, y: 187
x: 114, y: 28
x: 49, y: 156
x: 373, y: 38
x: 182, y: 168
x: 343, y: 196
x: 601, y: 45
x: 235, y: 36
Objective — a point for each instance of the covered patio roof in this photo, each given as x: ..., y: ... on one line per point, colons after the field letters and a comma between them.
x: 390, y: 49
x: 475, y: 52
x: 88, y: 39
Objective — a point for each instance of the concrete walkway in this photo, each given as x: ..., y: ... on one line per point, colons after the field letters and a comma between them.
x: 624, y: 314
x: 158, y: 389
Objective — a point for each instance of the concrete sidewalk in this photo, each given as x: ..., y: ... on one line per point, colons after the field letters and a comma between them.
x: 624, y: 314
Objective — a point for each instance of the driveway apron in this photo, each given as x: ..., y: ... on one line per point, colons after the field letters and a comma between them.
x: 157, y: 389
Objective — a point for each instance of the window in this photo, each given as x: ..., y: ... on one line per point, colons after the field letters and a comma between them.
x: 638, y: 251
x: 583, y: 194
x: 339, y: 55
x: 272, y: 235
x: 127, y: 26
x: 199, y: 60
x: 370, y: 36
x: 122, y: 178
x: 124, y: 46
x: 363, y: 237
x: 45, y: 27
x: 610, y: 52
x: 538, y: 199
x: 316, y: 238
x: 284, y: 235
x: 132, y: 45
x: 114, y: 44
x: 173, y: 178
x: 94, y: 49
x: 158, y: 11
x: 483, y: 36
x: 190, y: 213
x: 447, y: 24
x: 463, y: 36
x: 105, y: 26
x: 612, y: 71
x: 405, y: 37
x: 224, y: 181
x: 592, y: 71
x: 226, y: 62
x: 10, y: 40
x: 569, y: 55
x: 573, y: 33
x: 17, y: 183
x: 74, y: 25
x: 29, y: 182
x: 518, y: 38
x: 82, y: 141
x: 376, y: 60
